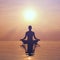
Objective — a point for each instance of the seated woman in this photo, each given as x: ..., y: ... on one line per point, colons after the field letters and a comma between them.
x: 29, y: 35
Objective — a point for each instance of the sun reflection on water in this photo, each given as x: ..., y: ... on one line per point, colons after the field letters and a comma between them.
x: 29, y: 58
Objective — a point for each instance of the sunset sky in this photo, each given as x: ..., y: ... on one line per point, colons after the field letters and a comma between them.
x: 46, y: 24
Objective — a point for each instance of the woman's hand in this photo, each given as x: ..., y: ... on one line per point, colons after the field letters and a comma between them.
x: 21, y: 39
x: 38, y: 39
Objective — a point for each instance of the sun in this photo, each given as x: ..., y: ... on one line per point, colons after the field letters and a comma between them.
x: 29, y: 14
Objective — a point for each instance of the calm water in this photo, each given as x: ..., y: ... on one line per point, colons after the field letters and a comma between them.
x: 11, y: 50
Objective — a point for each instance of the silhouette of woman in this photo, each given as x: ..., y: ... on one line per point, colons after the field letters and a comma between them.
x: 29, y: 35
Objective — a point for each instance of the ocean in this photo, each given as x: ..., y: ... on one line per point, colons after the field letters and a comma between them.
x: 11, y: 50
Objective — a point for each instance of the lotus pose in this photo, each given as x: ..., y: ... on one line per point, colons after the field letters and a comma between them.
x: 30, y: 35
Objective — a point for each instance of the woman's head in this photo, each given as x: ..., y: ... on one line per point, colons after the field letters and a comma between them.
x: 29, y: 27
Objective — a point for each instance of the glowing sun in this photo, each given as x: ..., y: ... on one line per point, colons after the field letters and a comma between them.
x: 29, y: 14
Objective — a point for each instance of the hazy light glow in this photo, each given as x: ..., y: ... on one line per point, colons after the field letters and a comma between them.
x: 29, y: 58
x: 29, y: 14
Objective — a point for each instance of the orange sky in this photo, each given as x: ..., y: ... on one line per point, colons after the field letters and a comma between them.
x: 13, y: 26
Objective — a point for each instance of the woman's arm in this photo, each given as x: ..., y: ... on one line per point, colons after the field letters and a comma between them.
x: 24, y: 37
x: 35, y: 37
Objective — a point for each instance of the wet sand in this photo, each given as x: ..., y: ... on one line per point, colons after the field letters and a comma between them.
x: 11, y: 50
